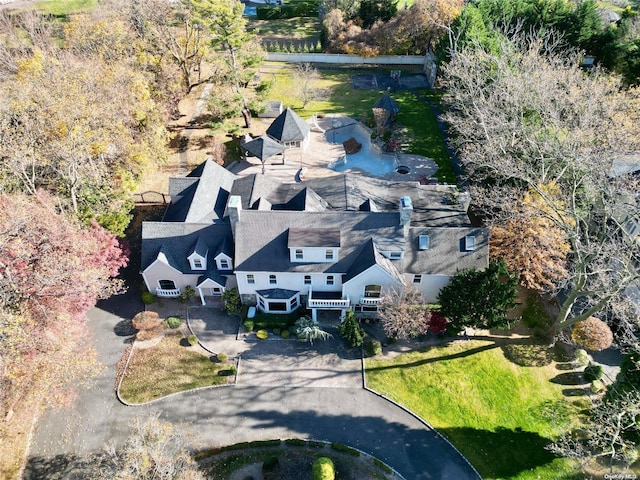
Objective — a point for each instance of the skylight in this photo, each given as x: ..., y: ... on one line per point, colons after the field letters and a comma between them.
x: 470, y: 242
x: 423, y: 242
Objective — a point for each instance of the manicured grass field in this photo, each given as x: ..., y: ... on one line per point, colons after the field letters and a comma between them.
x: 167, y: 368
x: 498, y: 414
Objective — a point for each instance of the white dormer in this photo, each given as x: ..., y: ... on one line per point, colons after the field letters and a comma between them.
x: 197, y: 261
x: 314, y: 245
x: 393, y: 254
x: 224, y: 261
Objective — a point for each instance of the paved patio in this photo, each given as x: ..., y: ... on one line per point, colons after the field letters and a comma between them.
x: 313, y: 162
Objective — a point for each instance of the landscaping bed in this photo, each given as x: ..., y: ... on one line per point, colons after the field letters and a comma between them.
x: 168, y: 367
x: 295, y: 458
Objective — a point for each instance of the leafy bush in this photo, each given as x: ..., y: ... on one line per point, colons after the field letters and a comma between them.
x: 437, y: 323
x: 285, y: 334
x: 593, y: 372
x: 276, y: 331
x: 596, y: 386
x: 192, y: 339
x: 248, y: 324
x: 383, y: 466
x: 323, y: 469
x: 582, y: 357
x: 373, y: 347
x: 147, y: 334
x: 232, y: 300
x: 593, y: 334
x: 262, y: 334
x: 222, y: 357
x: 351, y: 331
x: 172, y: 322
x: 187, y: 293
x: 145, y: 320
x: 297, y: 442
x: 271, y: 320
x: 297, y: 9
x: 339, y: 447
x: 147, y: 298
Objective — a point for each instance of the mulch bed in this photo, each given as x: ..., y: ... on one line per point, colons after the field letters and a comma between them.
x: 352, y: 146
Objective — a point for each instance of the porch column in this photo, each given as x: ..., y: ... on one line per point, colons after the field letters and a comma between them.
x: 343, y: 312
x: 314, y: 314
x: 201, y: 296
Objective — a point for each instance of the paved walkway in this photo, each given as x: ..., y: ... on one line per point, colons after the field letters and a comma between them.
x: 227, y: 415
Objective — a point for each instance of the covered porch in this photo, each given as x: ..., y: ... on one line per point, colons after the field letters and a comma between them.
x: 327, y: 301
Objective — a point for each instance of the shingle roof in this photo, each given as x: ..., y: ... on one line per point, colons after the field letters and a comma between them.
x: 432, y: 204
x: 177, y: 240
x: 205, y: 197
x: 288, y: 127
x: 446, y: 253
x: 314, y: 237
x: 263, y: 147
x: 387, y: 103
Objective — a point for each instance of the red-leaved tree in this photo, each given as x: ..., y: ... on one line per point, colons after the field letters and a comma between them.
x: 52, y: 271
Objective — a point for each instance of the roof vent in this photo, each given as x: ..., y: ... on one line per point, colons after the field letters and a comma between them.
x: 423, y: 242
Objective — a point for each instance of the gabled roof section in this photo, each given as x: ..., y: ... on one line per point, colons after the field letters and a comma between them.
x: 176, y: 241
x: 314, y: 237
x: 304, y: 200
x: 204, y: 197
x: 200, y: 247
x: 263, y: 147
x: 288, y: 127
x: 387, y: 103
x: 367, y: 257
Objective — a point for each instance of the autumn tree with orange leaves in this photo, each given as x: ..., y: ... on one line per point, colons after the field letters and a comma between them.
x: 531, y: 244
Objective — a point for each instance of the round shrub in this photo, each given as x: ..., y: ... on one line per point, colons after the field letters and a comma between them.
x: 582, y: 357
x: 192, y: 339
x: 373, y: 347
x: 222, y: 357
x: 323, y: 469
x: 248, y: 324
x: 285, y: 334
x: 262, y: 334
x: 276, y: 331
x: 147, y: 298
x: 173, y: 322
x: 592, y: 334
x: 145, y: 320
x: 593, y: 372
x: 596, y: 386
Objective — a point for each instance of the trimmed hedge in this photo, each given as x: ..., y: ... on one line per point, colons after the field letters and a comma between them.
x: 173, y: 322
x: 323, y: 469
x: 147, y: 298
x: 297, y: 9
x: 193, y: 340
x: 339, y: 447
x: 297, y: 442
x: 593, y: 372
x: 262, y: 334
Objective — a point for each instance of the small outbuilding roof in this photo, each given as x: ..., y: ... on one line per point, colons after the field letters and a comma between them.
x: 263, y: 147
x: 288, y: 127
x: 387, y: 103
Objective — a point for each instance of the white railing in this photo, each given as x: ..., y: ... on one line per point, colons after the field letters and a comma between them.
x: 168, y: 292
x: 328, y: 303
x: 371, y: 301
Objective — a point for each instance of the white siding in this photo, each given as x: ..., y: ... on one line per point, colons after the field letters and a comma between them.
x: 374, y: 275
x: 314, y: 254
x: 289, y: 281
x: 161, y: 271
x: 429, y: 287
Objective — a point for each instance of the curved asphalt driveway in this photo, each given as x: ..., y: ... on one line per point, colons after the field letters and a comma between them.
x: 227, y: 415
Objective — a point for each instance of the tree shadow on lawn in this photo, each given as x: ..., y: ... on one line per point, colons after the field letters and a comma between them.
x: 522, y: 351
x: 503, y: 453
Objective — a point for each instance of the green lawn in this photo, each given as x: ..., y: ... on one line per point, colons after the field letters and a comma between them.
x: 62, y: 8
x: 166, y: 368
x: 500, y: 415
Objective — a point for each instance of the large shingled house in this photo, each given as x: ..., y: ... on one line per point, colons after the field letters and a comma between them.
x: 333, y: 243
